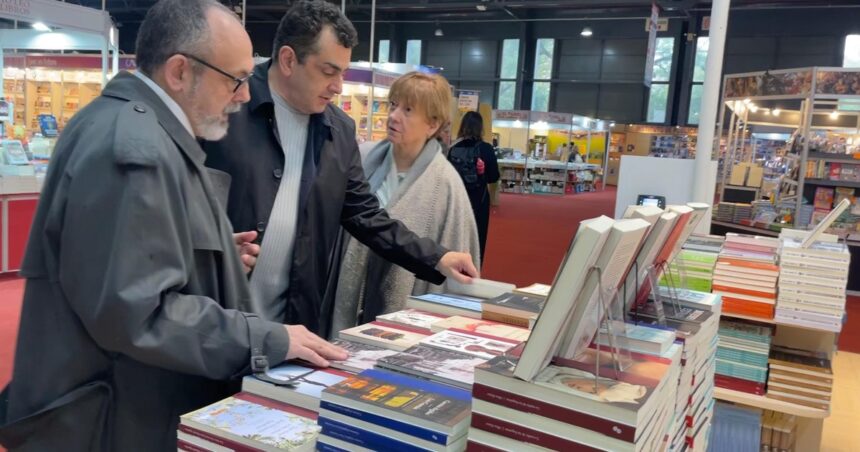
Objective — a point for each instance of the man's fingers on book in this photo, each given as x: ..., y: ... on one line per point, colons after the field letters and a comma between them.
x: 312, y: 357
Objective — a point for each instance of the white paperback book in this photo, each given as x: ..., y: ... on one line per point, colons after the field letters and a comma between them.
x: 648, y: 213
x: 480, y: 288
x: 552, y: 321
x: 648, y: 253
x: 615, y: 259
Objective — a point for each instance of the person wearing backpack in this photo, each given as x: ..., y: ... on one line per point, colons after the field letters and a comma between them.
x: 475, y: 161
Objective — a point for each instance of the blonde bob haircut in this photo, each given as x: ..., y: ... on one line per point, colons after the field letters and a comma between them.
x: 428, y: 93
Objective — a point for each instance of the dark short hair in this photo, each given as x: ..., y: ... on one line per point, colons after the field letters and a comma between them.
x: 471, y: 126
x: 301, y: 26
x: 171, y: 27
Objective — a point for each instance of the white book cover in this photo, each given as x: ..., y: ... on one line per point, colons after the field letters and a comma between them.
x: 415, y: 318
x: 470, y: 344
x: 648, y: 213
x: 569, y: 280
x: 615, y: 259
x: 651, y: 247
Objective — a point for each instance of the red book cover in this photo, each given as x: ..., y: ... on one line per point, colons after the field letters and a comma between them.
x: 564, y: 414
x: 835, y: 171
x: 527, y: 435
x: 750, y: 292
x: 665, y: 254
x: 223, y: 442
x: 473, y: 446
x: 823, y: 198
x: 411, y: 329
x: 738, y: 384
x: 188, y: 447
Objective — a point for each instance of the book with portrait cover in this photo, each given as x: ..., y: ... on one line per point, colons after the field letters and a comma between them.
x: 438, y: 364
x: 361, y: 356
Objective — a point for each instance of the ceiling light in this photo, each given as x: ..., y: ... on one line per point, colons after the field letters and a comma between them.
x: 612, y: 124
x: 481, y: 7
x: 776, y: 112
x: 439, y: 32
x: 41, y: 26
x: 834, y: 115
x: 586, y: 32
x: 753, y: 108
x: 747, y: 101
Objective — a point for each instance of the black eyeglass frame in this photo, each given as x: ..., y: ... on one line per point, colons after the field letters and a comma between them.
x: 239, y: 80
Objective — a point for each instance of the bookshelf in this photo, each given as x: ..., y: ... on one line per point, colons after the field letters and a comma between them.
x: 770, y: 322
x: 766, y: 403
x: 547, y: 177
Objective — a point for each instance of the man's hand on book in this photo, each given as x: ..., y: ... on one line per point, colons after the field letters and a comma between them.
x: 312, y: 348
x: 458, y: 266
x: 248, y: 251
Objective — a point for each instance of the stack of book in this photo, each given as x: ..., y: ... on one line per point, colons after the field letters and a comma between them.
x: 812, y: 284
x: 705, y: 243
x: 778, y: 432
x: 297, y: 385
x: 801, y: 377
x: 379, y: 410
x: 736, y: 428
x: 746, y: 275
x: 725, y: 212
x: 513, y: 308
x: 696, y: 329
x: 574, y: 405
x: 742, y: 356
x: 691, y: 270
x: 248, y: 422
x: 742, y: 213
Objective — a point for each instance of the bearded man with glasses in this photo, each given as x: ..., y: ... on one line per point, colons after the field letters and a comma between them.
x: 136, y: 307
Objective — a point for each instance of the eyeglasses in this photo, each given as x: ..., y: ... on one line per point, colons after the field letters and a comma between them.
x: 239, y: 80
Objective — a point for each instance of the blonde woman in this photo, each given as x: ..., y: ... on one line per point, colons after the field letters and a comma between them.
x: 415, y: 183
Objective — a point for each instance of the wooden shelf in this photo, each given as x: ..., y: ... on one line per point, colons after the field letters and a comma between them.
x: 833, y: 183
x: 769, y: 404
x: 833, y: 157
x: 773, y: 322
x: 752, y: 229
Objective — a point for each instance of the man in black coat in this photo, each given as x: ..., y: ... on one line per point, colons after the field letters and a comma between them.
x: 136, y: 307
x: 297, y: 176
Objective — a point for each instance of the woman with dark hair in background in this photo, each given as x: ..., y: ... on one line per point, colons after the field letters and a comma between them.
x: 475, y: 160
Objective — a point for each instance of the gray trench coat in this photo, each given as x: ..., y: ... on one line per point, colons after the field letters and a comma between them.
x: 133, y: 305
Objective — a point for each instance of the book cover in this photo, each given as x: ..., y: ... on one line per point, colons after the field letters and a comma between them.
x: 361, y: 356
x: 536, y: 289
x: 415, y: 318
x: 446, y: 366
x: 395, y: 337
x: 401, y: 395
x: 479, y: 345
x: 487, y: 327
x: 244, y: 418
x: 308, y: 384
x: 515, y: 304
x: 456, y: 301
x: 823, y: 198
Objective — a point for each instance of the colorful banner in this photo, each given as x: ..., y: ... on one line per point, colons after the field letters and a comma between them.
x: 767, y: 84
x: 838, y: 83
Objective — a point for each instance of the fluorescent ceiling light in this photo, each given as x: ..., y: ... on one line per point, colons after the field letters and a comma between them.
x: 41, y: 26
x: 439, y: 32
x: 481, y: 7
x: 586, y: 32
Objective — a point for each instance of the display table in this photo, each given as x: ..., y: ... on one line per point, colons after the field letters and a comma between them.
x: 19, y: 196
x: 547, y: 176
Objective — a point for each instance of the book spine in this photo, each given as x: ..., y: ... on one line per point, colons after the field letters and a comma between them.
x: 188, y: 447
x: 527, y: 435
x: 473, y: 446
x: 507, y: 319
x: 223, y: 442
x: 323, y: 447
x: 548, y: 410
x: 387, y: 422
x: 363, y: 438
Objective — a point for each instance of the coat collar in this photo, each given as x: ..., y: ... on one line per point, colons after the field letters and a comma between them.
x: 127, y: 87
x: 261, y: 96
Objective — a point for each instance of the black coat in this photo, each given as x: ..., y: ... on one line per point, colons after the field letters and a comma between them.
x: 334, y: 193
x: 131, y: 313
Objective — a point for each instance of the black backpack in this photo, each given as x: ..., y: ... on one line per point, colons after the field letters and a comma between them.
x: 465, y: 161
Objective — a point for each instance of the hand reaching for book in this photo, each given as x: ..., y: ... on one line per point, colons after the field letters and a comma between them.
x: 312, y: 348
x: 458, y: 266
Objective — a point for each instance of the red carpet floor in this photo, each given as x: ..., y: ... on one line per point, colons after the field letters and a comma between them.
x: 529, y: 235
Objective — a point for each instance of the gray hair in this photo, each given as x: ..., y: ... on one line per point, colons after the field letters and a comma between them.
x: 171, y: 27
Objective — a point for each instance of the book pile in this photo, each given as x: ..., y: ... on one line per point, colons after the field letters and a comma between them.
x: 696, y: 329
x: 378, y: 410
x: 248, y: 422
x: 742, y: 213
x: 737, y: 428
x: 812, y: 284
x: 513, y: 308
x: 778, y: 432
x: 801, y: 377
x: 570, y: 407
x: 725, y: 212
x: 691, y: 270
x: 705, y: 243
x: 742, y: 356
x: 746, y: 275
x: 294, y: 384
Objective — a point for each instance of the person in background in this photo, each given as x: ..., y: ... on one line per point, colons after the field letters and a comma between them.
x: 476, y: 162
x: 136, y: 307
x: 415, y: 184
x: 297, y: 176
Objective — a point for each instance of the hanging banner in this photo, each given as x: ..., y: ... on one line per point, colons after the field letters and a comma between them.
x: 467, y: 100
x: 652, y: 43
x: 790, y: 83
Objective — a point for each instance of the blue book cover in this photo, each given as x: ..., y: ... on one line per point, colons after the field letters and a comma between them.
x: 363, y: 438
x: 48, y: 126
x: 457, y: 301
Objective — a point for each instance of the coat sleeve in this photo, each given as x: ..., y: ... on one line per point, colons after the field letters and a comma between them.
x: 491, y: 170
x: 370, y: 224
x: 125, y: 257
